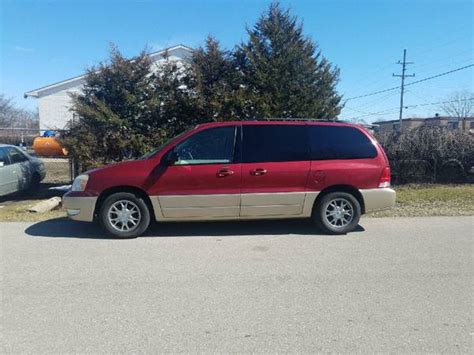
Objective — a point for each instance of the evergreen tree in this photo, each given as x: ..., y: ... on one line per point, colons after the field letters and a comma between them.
x: 284, y: 72
x: 213, y: 72
x: 126, y: 108
x: 174, y: 103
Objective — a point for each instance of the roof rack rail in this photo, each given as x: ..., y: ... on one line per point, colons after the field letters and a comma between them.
x: 296, y: 119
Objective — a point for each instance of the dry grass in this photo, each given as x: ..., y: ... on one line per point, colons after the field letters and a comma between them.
x: 18, y: 211
x: 431, y: 200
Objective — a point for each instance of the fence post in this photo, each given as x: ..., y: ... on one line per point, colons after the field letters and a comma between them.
x: 72, y: 171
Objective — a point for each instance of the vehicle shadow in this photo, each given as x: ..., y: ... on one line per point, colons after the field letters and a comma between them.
x: 64, y: 228
x: 45, y: 191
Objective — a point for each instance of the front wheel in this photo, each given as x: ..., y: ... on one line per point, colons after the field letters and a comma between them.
x: 124, y: 215
x: 337, y: 213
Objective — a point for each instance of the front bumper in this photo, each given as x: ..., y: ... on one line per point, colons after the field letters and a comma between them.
x: 378, y: 199
x: 79, y: 208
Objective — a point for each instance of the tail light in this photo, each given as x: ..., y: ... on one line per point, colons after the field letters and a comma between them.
x: 385, y: 177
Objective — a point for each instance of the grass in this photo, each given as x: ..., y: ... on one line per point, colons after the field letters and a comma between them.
x: 15, y: 207
x: 412, y: 200
x: 415, y: 200
x: 18, y: 211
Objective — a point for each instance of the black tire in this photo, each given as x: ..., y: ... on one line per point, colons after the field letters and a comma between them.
x: 134, y: 231
x: 324, y: 223
x: 34, y: 184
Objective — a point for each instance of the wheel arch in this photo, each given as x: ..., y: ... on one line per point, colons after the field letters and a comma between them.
x: 342, y: 188
x: 116, y: 189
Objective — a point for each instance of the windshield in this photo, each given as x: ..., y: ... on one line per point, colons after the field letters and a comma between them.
x: 156, y: 150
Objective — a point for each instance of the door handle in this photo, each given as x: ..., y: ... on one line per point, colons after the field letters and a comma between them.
x: 224, y: 172
x: 258, y: 172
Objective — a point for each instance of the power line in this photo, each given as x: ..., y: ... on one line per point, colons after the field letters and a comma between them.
x: 440, y: 102
x: 438, y: 75
x: 390, y: 110
x: 412, y: 83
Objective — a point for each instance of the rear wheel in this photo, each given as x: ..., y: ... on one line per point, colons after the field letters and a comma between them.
x: 124, y: 215
x: 337, y: 213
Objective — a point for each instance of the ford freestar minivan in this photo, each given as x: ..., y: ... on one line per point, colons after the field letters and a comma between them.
x: 327, y: 171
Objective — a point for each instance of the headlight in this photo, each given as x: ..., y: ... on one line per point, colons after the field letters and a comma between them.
x: 80, y: 183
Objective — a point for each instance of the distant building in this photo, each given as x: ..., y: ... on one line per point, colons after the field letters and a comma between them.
x: 54, y: 101
x: 454, y: 123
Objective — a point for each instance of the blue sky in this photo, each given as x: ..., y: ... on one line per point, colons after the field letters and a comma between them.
x: 47, y: 41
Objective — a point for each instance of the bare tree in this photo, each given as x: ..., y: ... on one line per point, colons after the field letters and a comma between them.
x: 460, y: 105
x: 14, y: 117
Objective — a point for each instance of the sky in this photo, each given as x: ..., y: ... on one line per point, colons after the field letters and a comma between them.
x: 46, y: 41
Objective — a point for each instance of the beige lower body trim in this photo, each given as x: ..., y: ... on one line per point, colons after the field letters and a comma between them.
x: 200, y: 206
x: 272, y: 204
x: 233, y: 206
x: 80, y: 208
x: 378, y: 199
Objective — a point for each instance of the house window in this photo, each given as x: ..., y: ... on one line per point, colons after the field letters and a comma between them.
x: 471, y: 126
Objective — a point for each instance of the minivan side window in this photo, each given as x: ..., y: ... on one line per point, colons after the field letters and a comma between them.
x: 211, y: 146
x: 16, y: 156
x: 339, y: 142
x: 274, y: 143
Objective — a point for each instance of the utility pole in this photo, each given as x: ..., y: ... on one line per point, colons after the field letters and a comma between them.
x: 402, y: 87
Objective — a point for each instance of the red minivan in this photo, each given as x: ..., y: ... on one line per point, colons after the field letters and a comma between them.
x: 327, y: 171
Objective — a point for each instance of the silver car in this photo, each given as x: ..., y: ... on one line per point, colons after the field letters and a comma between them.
x: 19, y: 171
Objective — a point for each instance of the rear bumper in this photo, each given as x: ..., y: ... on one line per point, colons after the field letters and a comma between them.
x: 80, y: 208
x: 378, y: 199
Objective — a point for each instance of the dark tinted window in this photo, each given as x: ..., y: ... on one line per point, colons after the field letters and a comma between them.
x: 339, y: 142
x: 263, y: 143
x: 212, y: 146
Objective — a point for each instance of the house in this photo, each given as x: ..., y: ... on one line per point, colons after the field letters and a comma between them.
x: 54, y: 101
x: 454, y: 123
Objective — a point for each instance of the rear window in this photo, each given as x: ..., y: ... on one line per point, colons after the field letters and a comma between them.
x: 339, y: 142
x: 274, y: 143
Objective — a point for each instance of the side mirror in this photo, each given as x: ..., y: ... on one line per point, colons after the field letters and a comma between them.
x: 171, y: 158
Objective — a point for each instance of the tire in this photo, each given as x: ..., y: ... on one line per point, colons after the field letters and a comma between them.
x: 334, y: 221
x: 136, y: 209
x: 34, y: 184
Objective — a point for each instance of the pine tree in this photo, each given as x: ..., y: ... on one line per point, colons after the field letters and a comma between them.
x: 174, y: 103
x: 213, y: 73
x: 112, y: 114
x: 126, y: 108
x: 284, y: 72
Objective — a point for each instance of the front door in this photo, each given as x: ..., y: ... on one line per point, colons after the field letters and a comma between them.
x: 275, y: 168
x: 204, y: 182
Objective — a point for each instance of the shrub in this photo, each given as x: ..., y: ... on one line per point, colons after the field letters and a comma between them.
x: 436, y: 154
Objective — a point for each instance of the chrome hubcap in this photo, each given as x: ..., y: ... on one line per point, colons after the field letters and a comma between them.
x: 124, y: 215
x: 339, y: 212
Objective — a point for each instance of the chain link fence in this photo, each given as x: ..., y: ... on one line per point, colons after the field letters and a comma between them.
x: 59, y: 169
